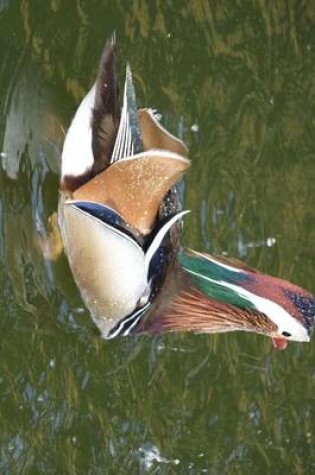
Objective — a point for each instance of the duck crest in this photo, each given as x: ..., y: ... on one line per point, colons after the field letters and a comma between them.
x: 205, y: 269
x: 238, y: 285
x: 120, y: 219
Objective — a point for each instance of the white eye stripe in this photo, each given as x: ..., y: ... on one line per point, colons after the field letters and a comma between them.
x: 277, y: 314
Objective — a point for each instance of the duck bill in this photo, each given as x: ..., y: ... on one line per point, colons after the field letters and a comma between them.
x: 279, y: 343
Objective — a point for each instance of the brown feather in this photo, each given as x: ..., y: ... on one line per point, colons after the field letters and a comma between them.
x: 184, y: 308
x: 136, y: 187
x: 155, y: 136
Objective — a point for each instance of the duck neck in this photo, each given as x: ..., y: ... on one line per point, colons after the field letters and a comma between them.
x: 181, y: 306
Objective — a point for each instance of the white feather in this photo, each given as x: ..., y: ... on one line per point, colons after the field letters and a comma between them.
x: 160, y: 236
x: 77, y: 154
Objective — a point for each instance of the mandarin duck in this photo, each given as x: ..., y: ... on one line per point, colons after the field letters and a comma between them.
x: 120, y: 218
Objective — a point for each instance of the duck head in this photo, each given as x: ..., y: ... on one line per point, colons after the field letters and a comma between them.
x: 216, y: 294
x: 120, y: 216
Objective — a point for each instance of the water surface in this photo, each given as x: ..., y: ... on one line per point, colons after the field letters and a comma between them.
x: 236, y: 82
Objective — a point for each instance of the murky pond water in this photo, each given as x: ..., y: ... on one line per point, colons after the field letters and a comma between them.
x: 236, y: 81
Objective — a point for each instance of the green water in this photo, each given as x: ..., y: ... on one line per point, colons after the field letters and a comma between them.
x: 236, y: 81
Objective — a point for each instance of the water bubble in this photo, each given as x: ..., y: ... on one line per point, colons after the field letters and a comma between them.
x: 10, y: 447
x: 194, y: 128
x: 150, y: 454
x: 52, y: 363
x: 271, y: 241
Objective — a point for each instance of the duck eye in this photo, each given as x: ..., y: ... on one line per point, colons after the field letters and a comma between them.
x: 287, y: 334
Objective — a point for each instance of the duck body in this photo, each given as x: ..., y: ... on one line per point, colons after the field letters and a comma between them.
x: 120, y: 219
x: 115, y: 245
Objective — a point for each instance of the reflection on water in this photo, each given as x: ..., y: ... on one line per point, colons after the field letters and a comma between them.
x: 25, y: 165
x: 241, y: 95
